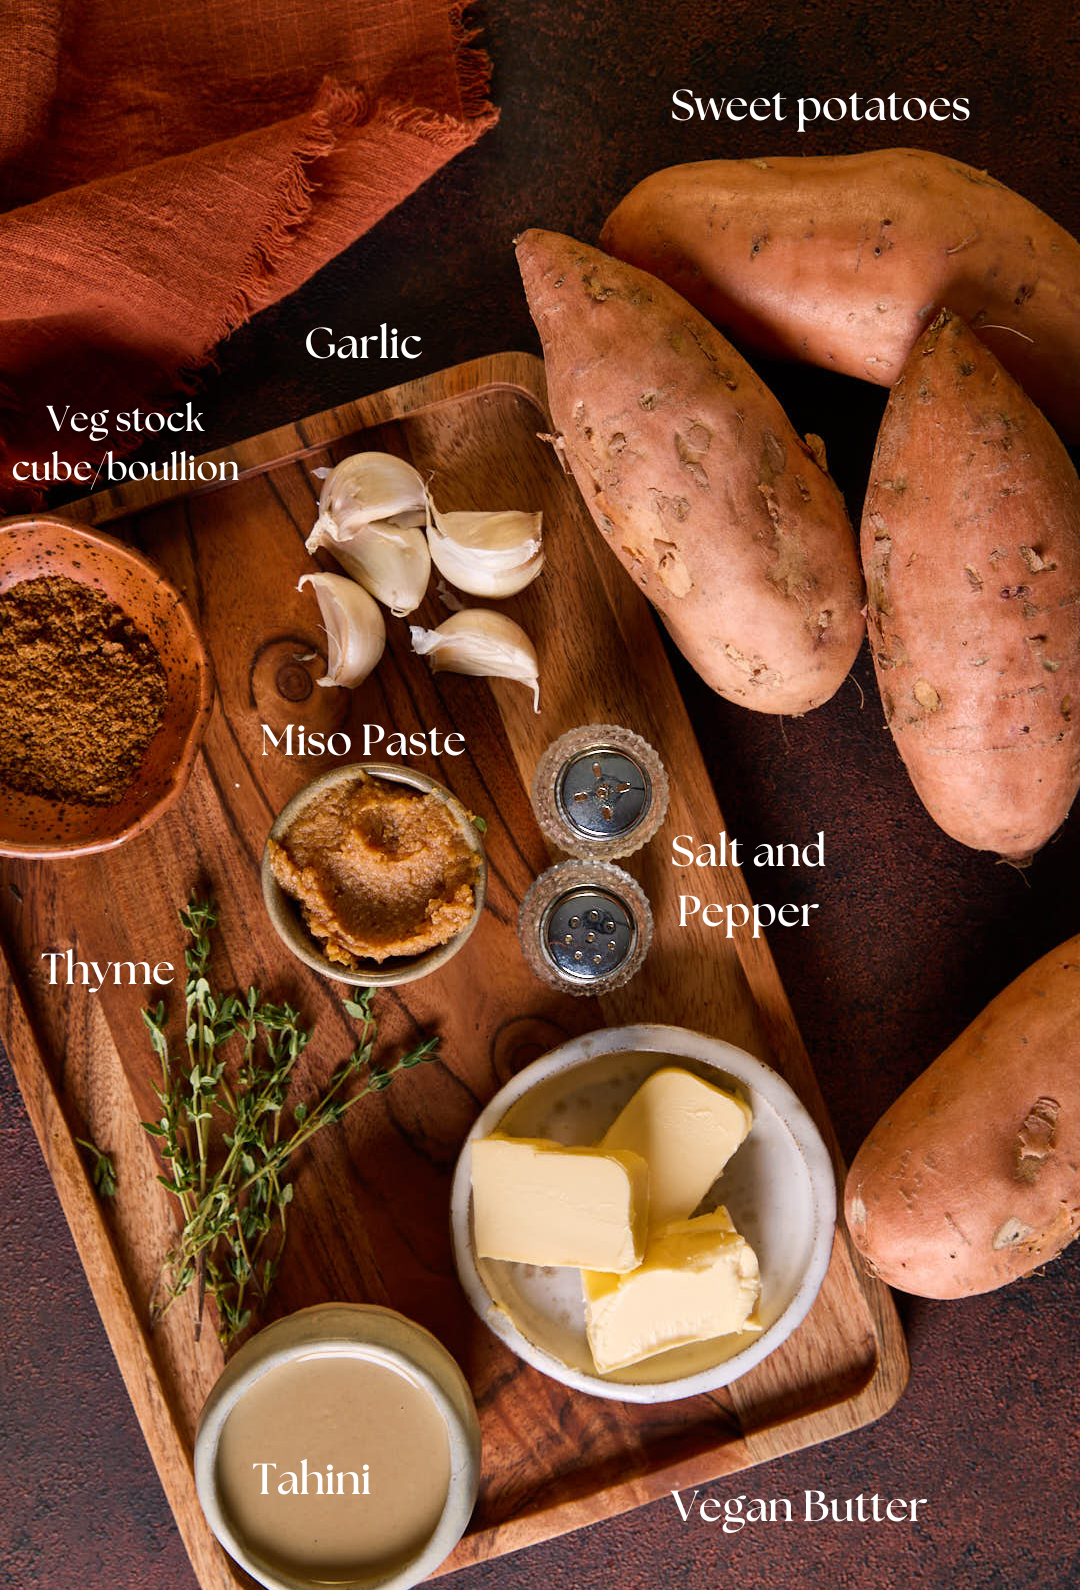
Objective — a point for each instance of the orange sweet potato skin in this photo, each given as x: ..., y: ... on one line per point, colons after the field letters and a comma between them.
x: 696, y: 479
x: 842, y: 261
x: 972, y: 1178
x: 971, y: 550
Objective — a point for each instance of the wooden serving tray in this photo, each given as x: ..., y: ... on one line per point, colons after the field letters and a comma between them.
x: 370, y: 1217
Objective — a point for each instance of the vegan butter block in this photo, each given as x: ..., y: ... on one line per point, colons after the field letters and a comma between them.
x: 699, y: 1279
x: 541, y: 1203
x: 686, y: 1130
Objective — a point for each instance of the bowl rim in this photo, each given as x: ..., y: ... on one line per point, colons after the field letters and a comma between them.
x: 281, y: 911
x: 379, y: 1335
x: 180, y: 771
x: 672, y: 1042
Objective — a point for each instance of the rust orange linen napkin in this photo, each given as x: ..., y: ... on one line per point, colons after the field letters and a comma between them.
x: 168, y: 167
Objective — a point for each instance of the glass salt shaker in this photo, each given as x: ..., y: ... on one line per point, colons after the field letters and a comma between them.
x: 600, y: 792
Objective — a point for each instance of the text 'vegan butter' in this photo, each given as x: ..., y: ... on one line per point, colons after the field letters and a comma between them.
x: 538, y: 1202
x: 686, y: 1130
x: 699, y: 1279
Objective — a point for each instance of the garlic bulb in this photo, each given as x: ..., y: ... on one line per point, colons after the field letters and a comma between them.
x: 373, y: 509
x: 355, y: 631
x: 487, y: 554
x: 482, y: 642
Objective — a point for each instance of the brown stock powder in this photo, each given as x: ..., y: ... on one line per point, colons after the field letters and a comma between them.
x: 82, y: 692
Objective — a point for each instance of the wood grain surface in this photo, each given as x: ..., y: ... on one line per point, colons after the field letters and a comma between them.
x: 370, y: 1216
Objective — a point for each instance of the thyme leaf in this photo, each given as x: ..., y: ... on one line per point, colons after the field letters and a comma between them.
x: 102, y: 1171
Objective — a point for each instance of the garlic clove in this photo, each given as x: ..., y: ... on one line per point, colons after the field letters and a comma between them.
x: 481, y: 642
x: 373, y: 510
x: 375, y: 488
x: 393, y: 564
x: 487, y: 554
x: 355, y: 631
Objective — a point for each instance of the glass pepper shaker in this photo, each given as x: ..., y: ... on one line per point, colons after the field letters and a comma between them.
x: 585, y: 926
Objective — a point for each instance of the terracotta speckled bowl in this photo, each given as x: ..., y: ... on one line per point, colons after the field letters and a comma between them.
x: 35, y: 546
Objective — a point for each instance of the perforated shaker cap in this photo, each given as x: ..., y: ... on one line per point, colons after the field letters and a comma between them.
x: 585, y: 926
x: 600, y: 791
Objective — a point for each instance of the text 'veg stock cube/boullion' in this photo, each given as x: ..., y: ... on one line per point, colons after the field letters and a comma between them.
x: 539, y: 1202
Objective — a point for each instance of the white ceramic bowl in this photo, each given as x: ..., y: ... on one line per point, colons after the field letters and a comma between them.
x: 780, y: 1187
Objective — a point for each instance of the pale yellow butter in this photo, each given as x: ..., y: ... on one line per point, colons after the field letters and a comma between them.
x: 538, y: 1202
x: 686, y: 1130
x: 699, y: 1279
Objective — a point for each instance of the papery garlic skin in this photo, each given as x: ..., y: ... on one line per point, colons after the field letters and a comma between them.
x: 355, y: 629
x: 449, y: 597
x: 487, y: 554
x: 481, y: 642
x: 373, y: 509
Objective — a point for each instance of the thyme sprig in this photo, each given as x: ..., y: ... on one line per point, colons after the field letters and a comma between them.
x: 227, y: 1131
x: 102, y: 1169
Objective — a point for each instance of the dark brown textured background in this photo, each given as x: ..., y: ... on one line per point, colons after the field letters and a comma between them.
x: 913, y: 933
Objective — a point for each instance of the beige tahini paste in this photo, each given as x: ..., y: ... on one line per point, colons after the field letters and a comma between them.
x: 334, y: 1467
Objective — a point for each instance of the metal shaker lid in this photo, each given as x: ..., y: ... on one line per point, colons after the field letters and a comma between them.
x: 600, y: 790
x: 585, y: 926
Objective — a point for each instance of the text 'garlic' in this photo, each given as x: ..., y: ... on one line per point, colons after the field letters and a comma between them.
x: 373, y: 509
x: 355, y: 631
x: 487, y: 554
x: 482, y: 642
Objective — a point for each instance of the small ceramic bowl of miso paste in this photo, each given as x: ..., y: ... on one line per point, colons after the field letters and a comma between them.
x: 339, y: 1446
x: 374, y: 873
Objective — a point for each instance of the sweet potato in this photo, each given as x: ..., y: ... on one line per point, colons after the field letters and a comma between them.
x: 971, y: 549
x: 972, y: 1178
x: 842, y: 260
x: 697, y: 480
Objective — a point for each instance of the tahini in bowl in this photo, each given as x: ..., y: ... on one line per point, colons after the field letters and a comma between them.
x: 348, y: 1340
